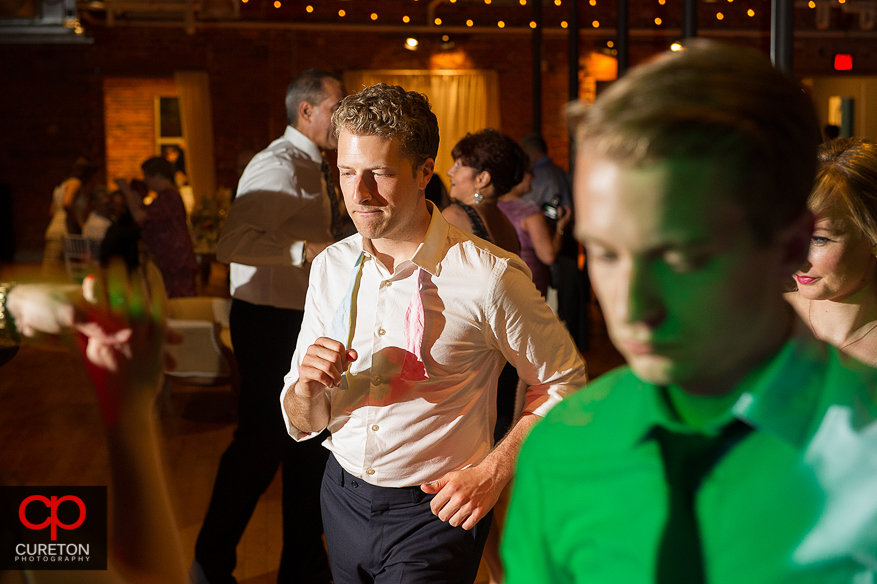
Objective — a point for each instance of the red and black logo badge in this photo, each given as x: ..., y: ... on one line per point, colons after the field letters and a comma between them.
x: 53, y: 528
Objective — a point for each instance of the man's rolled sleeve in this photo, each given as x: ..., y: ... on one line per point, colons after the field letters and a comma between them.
x: 259, y: 230
x: 532, y: 339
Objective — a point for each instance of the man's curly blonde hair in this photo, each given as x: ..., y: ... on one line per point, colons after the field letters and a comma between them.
x: 389, y: 111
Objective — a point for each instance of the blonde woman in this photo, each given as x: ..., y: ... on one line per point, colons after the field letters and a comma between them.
x: 837, y: 286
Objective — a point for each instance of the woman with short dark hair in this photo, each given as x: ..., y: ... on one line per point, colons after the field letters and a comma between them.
x: 487, y: 164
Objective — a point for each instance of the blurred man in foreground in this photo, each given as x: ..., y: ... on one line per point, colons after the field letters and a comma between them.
x: 734, y: 447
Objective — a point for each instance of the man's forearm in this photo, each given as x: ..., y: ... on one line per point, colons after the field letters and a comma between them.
x: 308, y: 414
x: 504, y: 456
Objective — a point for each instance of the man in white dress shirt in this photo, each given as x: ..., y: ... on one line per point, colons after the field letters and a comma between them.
x: 281, y: 218
x: 407, y: 326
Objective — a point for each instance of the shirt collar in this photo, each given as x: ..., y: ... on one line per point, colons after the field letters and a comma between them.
x: 542, y: 161
x: 303, y: 143
x: 777, y: 396
x: 431, y: 251
x: 782, y: 396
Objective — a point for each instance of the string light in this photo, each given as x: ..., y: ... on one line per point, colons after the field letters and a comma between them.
x: 500, y: 24
x: 811, y: 4
x: 446, y: 38
x: 406, y: 19
x: 522, y: 2
x: 309, y: 8
x: 658, y: 21
x: 675, y: 47
x: 720, y: 16
x: 557, y: 2
x: 564, y: 24
x: 276, y: 3
x: 437, y: 21
x: 341, y: 13
x: 750, y: 12
x: 596, y: 24
x: 662, y: 2
x: 592, y: 2
x: 487, y: 1
x: 532, y: 24
x: 374, y: 16
x: 470, y: 22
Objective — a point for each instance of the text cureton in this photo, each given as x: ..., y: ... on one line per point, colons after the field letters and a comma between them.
x: 52, y: 549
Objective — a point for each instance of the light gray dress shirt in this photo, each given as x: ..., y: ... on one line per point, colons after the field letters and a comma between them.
x: 280, y: 204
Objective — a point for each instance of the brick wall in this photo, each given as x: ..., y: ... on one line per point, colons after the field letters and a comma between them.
x: 129, y: 114
x: 57, y: 98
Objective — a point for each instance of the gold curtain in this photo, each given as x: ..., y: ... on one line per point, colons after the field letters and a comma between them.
x: 197, y: 117
x: 463, y: 101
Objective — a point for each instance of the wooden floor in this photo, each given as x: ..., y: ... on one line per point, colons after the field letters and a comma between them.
x: 51, y: 434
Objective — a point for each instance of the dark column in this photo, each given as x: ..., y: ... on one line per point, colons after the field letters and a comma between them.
x: 781, y: 34
x: 623, y: 36
x: 689, y: 19
x: 537, y: 67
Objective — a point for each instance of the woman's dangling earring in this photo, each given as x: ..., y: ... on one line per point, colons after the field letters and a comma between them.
x: 478, y: 197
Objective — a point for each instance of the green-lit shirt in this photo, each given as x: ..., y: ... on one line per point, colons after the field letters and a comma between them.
x: 795, y: 501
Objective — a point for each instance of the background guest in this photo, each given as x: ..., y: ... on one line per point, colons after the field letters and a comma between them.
x: 66, y: 199
x: 540, y: 241
x: 174, y: 154
x: 550, y: 191
x: 282, y: 217
x: 830, y: 132
x: 837, y: 286
x: 487, y: 164
x: 164, y: 228
x: 99, y: 219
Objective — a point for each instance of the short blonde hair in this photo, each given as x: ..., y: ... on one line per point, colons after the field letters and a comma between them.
x: 846, y: 179
x: 389, y: 111
x: 721, y: 104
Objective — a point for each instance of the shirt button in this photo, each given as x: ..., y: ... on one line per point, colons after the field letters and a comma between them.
x: 370, y: 471
x: 376, y: 380
x: 382, y: 332
x: 375, y: 427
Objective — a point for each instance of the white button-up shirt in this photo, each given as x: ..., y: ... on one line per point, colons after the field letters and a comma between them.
x: 280, y: 204
x: 480, y: 308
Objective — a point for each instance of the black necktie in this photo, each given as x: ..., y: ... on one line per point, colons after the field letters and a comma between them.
x: 688, y: 459
x: 337, y: 221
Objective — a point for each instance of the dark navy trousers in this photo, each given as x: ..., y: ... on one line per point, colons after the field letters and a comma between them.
x: 385, y: 535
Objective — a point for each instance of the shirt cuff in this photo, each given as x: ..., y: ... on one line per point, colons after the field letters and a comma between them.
x: 296, y: 250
